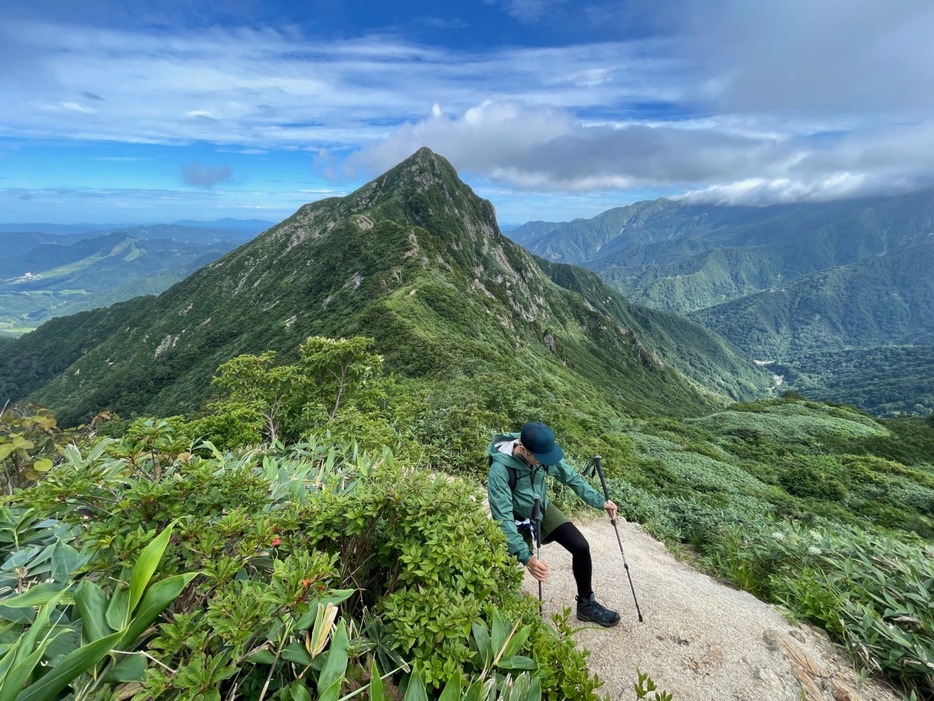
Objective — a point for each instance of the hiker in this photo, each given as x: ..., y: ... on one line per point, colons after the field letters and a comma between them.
x: 518, y: 465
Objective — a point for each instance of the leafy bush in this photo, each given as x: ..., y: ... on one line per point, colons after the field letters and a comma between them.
x: 29, y: 441
x: 62, y: 629
x: 281, y: 538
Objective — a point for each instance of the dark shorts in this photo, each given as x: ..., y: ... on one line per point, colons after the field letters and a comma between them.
x: 552, y: 519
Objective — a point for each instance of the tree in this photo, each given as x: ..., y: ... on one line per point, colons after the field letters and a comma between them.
x: 336, y: 370
x: 255, y: 383
x: 289, y: 399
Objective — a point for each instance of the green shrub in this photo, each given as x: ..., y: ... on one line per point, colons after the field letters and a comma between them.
x: 278, y: 535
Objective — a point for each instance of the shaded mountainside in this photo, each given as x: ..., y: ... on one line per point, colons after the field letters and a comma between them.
x: 16, y: 243
x: 413, y: 259
x: 887, y: 380
x: 883, y: 300
x: 807, y: 237
x: 692, y: 349
x: 778, y: 282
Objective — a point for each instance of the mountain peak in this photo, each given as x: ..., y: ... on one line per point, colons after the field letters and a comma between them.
x: 424, y: 190
x: 423, y: 170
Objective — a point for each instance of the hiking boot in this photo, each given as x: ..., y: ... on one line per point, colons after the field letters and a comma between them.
x: 589, y: 609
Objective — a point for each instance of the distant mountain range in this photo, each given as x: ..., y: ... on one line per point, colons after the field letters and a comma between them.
x: 413, y: 259
x: 252, y: 226
x: 783, y: 283
x: 45, y: 274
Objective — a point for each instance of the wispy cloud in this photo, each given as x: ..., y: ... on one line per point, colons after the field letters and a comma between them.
x: 266, y: 89
x: 733, y: 101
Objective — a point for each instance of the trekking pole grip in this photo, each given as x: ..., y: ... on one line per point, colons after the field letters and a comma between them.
x: 606, y: 492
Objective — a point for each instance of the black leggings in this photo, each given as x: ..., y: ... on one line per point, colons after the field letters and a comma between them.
x: 572, y: 540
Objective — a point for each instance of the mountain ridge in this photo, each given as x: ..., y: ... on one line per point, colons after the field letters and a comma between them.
x: 414, y: 258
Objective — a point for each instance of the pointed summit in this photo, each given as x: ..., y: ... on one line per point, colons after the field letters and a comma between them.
x: 425, y: 190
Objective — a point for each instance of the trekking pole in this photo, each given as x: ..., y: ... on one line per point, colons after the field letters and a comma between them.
x: 537, y: 520
x: 595, y: 462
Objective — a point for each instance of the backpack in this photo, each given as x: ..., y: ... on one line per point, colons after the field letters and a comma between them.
x: 510, y: 471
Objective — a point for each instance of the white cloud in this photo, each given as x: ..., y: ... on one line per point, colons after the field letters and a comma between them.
x: 531, y: 11
x: 755, y: 102
x: 830, y: 56
x: 536, y: 148
x: 67, y: 107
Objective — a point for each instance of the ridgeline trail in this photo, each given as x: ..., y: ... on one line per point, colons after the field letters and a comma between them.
x: 700, y: 639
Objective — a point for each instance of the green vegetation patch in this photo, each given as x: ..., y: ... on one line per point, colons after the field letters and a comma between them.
x: 790, y: 422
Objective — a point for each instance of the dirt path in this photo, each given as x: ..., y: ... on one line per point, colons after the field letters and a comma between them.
x: 700, y: 640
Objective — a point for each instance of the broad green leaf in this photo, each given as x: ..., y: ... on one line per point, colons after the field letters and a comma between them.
x: 452, y: 690
x: 154, y: 602
x: 499, y: 632
x: 42, y: 465
x: 91, y: 603
x: 535, y: 690
x: 66, y: 560
x: 146, y: 565
x: 377, y: 692
x: 16, y: 678
x: 517, y: 641
x: 335, y: 665
x: 117, y: 608
x: 7, y: 657
x: 132, y: 668
x: 263, y: 656
x: 299, y: 692
x: 517, y: 662
x: 38, y: 629
x: 39, y: 595
x: 67, y: 638
x: 482, y: 638
x: 17, y: 615
x: 338, y: 596
x: 296, y: 652
x: 416, y: 690
x: 480, y: 690
x: 6, y: 450
x: 74, y: 456
x: 27, y: 557
x: 68, y: 668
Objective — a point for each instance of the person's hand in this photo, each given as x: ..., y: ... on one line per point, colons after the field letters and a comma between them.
x: 610, y: 508
x: 538, y: 569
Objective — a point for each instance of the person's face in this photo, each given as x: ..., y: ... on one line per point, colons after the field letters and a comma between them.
x: 531, y: 459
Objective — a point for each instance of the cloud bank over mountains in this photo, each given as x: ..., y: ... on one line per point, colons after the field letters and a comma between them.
x: 716, y: 100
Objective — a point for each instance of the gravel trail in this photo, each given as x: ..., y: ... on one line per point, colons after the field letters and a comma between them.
x: 700, y: 640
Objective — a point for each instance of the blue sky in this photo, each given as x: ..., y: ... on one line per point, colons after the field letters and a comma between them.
x: 141, y: 111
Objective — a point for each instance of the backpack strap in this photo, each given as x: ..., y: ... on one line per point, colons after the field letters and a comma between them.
x: 511, y: 471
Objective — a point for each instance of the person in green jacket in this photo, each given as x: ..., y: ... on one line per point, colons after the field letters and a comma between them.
x: 529, y: 456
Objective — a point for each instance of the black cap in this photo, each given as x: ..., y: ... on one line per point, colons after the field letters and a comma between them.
x: 539, y: 440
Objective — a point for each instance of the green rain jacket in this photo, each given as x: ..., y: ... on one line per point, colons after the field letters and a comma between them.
x: 508, y: 505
